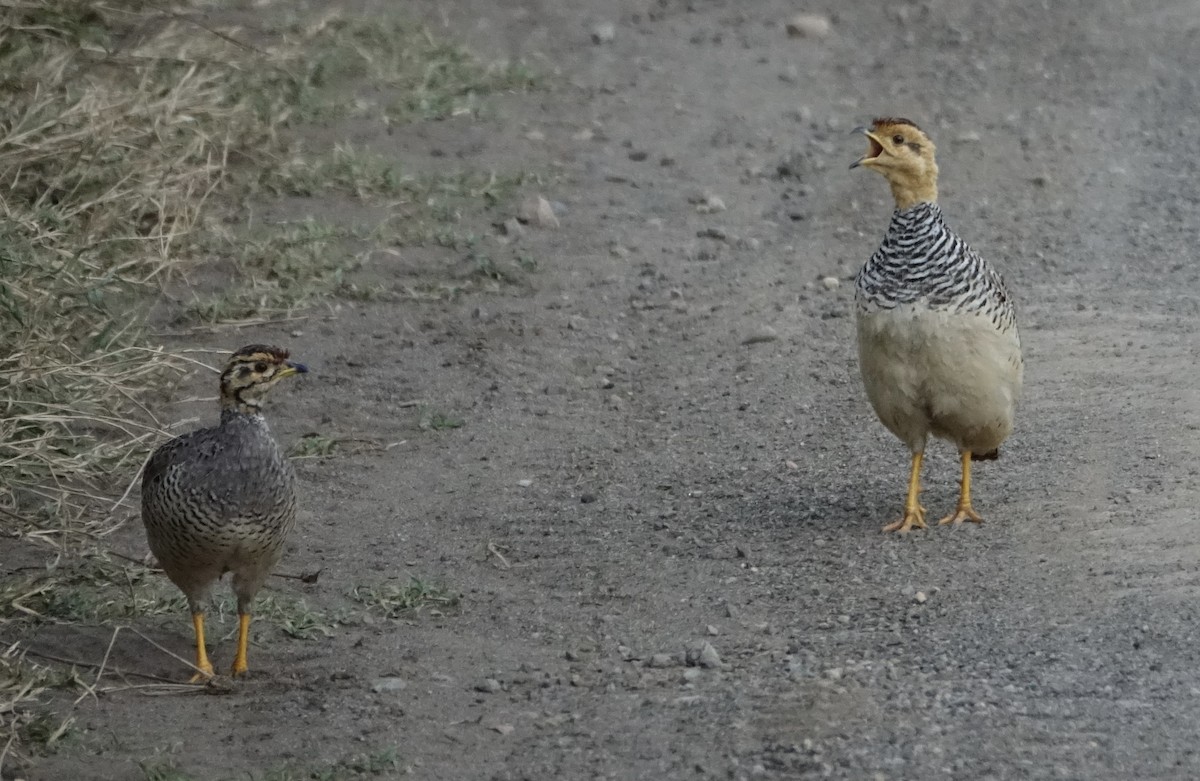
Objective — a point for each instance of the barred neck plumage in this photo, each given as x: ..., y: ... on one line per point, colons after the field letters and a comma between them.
x: 234, y: 414
x: 921, y: 260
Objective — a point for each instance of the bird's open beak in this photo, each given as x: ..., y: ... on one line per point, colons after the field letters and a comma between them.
x: 292, y: 367
x: 873, y: 151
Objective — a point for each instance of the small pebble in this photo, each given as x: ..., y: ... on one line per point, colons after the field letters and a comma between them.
x: 389, y: 685
x: 488, y: 686
x: 710, y: 204
x: 708, y: 656
x: 764, y: 334
x: 831, y: 283
x: 603, y: 33
x: 537, y: 211
x: 808, y: 26
x: 920, y: 597
x: 662, y: 660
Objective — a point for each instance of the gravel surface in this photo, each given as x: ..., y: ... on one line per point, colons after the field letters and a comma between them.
x: 666, y: 442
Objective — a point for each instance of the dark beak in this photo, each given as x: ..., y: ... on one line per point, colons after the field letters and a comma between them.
x: 293, y: 367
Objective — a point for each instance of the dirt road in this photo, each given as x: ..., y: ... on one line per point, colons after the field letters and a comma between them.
x: 652, y: 482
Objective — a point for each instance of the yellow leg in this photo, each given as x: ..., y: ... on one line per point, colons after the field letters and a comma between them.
x: 203, y: 666
x: 964, y: 511
x: 914, y: 513
x: 239, y: 662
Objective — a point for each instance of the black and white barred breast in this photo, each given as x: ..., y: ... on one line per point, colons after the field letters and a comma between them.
x: 922, y: 261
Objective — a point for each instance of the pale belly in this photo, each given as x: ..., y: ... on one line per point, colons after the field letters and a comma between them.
x: 951, y: 375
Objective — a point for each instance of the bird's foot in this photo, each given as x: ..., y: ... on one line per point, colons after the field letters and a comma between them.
x: 204, y: 673
x: 963, y: 513
x: 238, y: 670
x: 914, y: 518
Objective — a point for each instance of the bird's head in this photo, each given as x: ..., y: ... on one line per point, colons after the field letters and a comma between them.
x: 251, y: 372
x: 905, y: 156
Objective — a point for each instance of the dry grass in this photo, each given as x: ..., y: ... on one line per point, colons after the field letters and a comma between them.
x: 123, y: 122
x: 126, y: 133
x: 21, y: 683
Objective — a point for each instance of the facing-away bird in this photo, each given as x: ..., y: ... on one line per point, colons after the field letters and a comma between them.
x: 937, y: 332
x: 223, y: 499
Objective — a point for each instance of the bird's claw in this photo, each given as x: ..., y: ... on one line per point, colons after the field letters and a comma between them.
x: 204, y: 673
x: 963, y: 513
x: 914, y: 518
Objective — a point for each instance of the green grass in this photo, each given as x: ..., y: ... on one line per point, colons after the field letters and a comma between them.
x: 440, y: 421
x: 313, y: 445
x: 391, y: 599
x: 290, y: 267
x: 414, y: 75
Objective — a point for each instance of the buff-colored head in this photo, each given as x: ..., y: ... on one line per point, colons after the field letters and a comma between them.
x: 251, y: 372
x: 905, y: 156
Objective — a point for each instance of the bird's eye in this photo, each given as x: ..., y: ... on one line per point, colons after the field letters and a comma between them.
x: 897, y: 139
x: 260, y: 367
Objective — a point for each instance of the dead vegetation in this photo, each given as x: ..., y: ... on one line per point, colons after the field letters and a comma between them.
x: 129, y: 135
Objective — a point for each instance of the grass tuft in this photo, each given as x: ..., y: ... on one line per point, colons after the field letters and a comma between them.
x: 314, y: 445
x: 355, y: 767
x: 440, y: 421
x: 392, y: 600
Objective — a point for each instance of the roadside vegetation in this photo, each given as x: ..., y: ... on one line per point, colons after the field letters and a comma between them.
x: 132, y: 140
